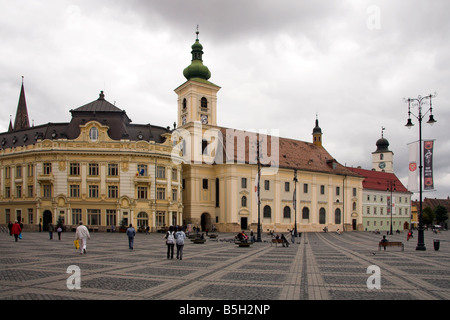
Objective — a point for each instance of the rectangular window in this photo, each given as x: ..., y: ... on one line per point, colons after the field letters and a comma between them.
x: 113, y: 169
x: 160, y: 219
x: 30, y: 191
x: 205, y: 184
x: 266, y: 185
x: 305, y: 188
x: 338, y: 191
x: 322, y: 189
x: 93, y: 191
x: 30, y: 170
x: 30, y: 216
x: 286, y: 186
x: 174, y: 175
x: 94, y: 217
x: 113, y: 192
x: 18, y: 171
x: 142, y: 192
x: 47, y: 168
x: 142, y: 170
x: 161, y: 193
x: 76, y: 216
x: 7, y: 192
x: 354, y: 192
x: 18, y: 191
x: 174, y: 195
x: 244, y: 183
x: 74, y: 169
x: 7, y: 172
x: 111, y: 217
x: 74, y: 191
x: 93, y: 169
x: 47, y: 188
x: 160, y: 172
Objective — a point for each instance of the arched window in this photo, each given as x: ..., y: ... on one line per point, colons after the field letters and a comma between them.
x: 204, y: 103
x: 267, y: 212
x: 184, y: 104
x: 322, y: 216
x: 305, y: 213
x: 337, y: 216
x: 287, y: 212
x: 244, y: 201
x: 93, y: 134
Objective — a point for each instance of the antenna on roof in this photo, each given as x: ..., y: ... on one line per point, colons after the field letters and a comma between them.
x: 197, y: 32
x: 382, y: 130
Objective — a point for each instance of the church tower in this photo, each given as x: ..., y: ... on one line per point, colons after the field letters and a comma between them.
x: 317, y: 134
x: 383, y: 158
x: 197, y: 97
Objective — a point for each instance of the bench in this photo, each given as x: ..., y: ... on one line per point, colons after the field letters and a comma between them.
x: 390, y: 244
x: 198, y: 240
x: 277, y: 241
x: 243, y: 244
x: 212, y: 236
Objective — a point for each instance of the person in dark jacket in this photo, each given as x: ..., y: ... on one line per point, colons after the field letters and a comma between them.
x: 131, y: 232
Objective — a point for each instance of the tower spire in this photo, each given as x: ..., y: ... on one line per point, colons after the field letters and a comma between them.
x: 21, y: 121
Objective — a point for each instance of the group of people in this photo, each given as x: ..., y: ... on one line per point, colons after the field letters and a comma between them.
x: 174, y: 236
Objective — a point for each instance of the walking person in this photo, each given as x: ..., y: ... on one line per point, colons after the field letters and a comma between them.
x: 59, y: 230
x: 170, y: 242
x: 180, y: 236
x: 16, y: 230
x: 51, y: 228
x: 131, y: 232
x: 82, y: 234
x: 10, y: 225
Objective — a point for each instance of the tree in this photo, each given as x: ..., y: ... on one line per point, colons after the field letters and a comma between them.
x: 441, y: 214
x: 427, y: 216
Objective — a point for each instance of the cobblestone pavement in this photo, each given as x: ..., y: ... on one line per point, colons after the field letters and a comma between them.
x: 319, y: 266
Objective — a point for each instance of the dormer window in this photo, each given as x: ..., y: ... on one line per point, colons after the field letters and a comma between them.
x: 93, y: 134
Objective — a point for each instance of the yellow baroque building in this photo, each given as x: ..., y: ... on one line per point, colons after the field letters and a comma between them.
x: 99, y: 169
x: 103, y: 170
x: 221, y: 165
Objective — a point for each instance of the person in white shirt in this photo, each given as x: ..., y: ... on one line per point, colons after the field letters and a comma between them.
x: 82, y: 235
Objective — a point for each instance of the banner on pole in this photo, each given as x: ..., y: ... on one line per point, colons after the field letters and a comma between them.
x: 413, y: 166
x: 428, y: 164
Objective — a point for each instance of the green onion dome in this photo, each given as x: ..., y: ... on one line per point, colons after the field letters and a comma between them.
x: 196, y: 69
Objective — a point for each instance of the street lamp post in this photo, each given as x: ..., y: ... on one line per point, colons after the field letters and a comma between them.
x: 419, y: 102
x: 391, y: 187
x: 295, y: 202
x: 258, y: 176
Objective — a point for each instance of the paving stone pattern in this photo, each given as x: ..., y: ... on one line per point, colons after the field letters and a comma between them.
x: 319, y: 266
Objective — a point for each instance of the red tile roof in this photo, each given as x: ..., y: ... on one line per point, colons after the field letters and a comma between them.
x: 292, y: 154
x: 379, y: 180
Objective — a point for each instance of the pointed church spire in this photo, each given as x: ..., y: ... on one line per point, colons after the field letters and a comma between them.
x: 10, y: 128
x: 21, y: 121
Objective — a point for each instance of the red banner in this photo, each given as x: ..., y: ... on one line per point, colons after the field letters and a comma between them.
x: 428, y: 164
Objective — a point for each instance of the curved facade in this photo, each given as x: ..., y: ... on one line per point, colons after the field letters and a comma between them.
x: 99, y: 168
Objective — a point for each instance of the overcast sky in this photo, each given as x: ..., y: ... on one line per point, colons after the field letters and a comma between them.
x: 278, y: 63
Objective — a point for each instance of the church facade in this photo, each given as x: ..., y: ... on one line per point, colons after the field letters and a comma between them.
x: 104, y: 170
